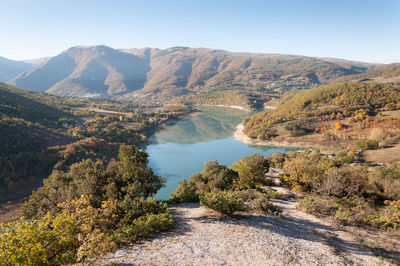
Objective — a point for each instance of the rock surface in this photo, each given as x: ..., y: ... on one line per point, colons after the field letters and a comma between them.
x: 203, y: 238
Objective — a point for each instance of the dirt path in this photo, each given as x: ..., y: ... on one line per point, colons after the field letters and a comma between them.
x: 202, y: 238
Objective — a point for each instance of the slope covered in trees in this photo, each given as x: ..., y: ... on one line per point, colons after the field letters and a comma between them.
x: 335, y: 109
x: 41, y: 131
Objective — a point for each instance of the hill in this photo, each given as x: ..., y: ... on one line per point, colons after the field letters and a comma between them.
x: 27, y: 129
x: 10, y: 69
x: 343, y: 112
x: 156, y: 74
x: 40, y: 131
x: 379, y: 73
x: 87, y: 72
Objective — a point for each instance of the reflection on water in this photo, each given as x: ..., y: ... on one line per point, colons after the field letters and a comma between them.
x: 182, y: 149
x: 209, y: 124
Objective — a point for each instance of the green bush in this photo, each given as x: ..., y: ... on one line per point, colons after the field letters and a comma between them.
x: 185, y: 192
x: 251, y: 171
x: 345, y: 216
x: 316, y: 206
x: 276, y: 159
x: 214, y: 176
x: 144, y: 226
x: 295, y: 129
x: 222, y: 201
x: 367, y: 144
x: 390, y: 220
x: 249, y: 194
x: 78, y: 233
x: 344, y: 157
x: 264, y: 206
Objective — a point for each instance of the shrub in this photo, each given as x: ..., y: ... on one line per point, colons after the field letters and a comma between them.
x: 144, y: 226
x: 304, y: 171
x: 214, y: 176
x: 390, y: 220
x: 222, y: 201
x: 345, y: 216
x: 79, y: 232
x: 315, y: 205
x: 248, y: 194
x: 185, y: 192
x: 264, y: 206
x: 367, y: 144
x: 295, y: 129
x: 344, y: 157
x: 251, y: 171
x: 276, y: 159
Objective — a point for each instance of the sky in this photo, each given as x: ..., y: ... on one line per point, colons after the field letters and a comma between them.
x: 362, y: 30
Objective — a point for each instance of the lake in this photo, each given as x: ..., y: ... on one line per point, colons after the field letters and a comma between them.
x: 181, y: 150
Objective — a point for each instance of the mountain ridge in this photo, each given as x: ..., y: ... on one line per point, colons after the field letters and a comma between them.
x: 11, y: 68
x: 152, y: 73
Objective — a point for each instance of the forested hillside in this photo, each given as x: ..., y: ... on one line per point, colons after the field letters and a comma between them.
x: 40, y: 131
x: 353, y: 106
x: 27, y: 129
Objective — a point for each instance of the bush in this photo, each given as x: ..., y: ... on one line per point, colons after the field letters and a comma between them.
x: 251, y: 171
x: 144, y: 226
x: 276, y: 159
x: 390, y: 220
x: 316, y: 206
x: 264, y: 206
x: 185, y: 192
x: 214, y: 176
x: 295, y: 129
x: 344, y: 157
x: 346, y: 216
x: 367, y: 144
x: 79, y: 232
x: 222, y: 201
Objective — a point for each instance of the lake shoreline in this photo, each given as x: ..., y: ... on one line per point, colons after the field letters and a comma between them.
x: 238, y: 107
x: 241, y: 137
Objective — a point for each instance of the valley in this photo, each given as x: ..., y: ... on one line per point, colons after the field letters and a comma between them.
x: 182, y: 140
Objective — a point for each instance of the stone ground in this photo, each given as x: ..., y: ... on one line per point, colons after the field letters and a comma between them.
x: 202, y: 237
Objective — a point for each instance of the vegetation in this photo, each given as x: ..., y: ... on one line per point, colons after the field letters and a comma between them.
x: 250, y: 171
x: 352, y: 194
x: 226, y: 189
x: 340, y: 111
x: 41, y: 131
x: 86, y: 211
x: 224, y: 202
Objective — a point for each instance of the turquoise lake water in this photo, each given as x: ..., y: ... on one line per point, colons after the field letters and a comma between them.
x: 181, y: 150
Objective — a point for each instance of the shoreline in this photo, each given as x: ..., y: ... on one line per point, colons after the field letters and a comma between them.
x: 240, y: 136
x: 238, y: 107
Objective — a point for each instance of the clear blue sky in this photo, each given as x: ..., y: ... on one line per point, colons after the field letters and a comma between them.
x: 362, y: 30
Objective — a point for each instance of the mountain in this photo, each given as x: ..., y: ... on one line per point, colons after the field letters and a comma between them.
x: 37, y: 61
x: 387, y: 73
x: 87, y: 72
x: 149, y: 73
x: 10, y: 69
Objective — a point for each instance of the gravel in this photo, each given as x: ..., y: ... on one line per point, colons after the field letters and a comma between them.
x: 201, y: 237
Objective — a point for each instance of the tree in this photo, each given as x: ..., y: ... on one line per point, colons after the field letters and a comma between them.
x: 137, y: 176
x: 78, y: 232
x: 251, y: 170
x: 214, y: 176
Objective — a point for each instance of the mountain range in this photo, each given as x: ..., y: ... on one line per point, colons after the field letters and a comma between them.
x: 150, y: 73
